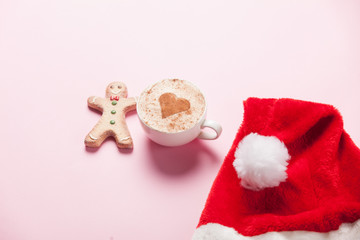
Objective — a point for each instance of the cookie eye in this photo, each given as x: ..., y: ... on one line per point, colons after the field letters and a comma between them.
x: 119, y: 87
x: 111, y: 86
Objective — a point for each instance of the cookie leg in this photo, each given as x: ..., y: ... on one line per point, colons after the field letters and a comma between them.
x: 123, y: 139
x: 96, y: 137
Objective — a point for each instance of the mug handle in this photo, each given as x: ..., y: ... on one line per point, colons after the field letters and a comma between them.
x: 210, y: 135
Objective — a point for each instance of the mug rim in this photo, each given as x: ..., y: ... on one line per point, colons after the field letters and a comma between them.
x: 181, y: 131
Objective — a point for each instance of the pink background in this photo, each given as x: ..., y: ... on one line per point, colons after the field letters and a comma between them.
x: 54, y: 54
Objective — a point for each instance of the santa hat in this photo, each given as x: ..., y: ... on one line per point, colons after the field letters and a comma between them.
x: 292, y: 173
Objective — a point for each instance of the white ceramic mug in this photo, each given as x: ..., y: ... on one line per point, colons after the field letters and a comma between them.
x: 172, y: 139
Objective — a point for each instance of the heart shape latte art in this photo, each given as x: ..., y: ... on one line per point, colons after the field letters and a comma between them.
x: 170, y: 104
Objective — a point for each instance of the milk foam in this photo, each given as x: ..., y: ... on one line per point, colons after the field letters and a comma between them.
x: 149, y: 109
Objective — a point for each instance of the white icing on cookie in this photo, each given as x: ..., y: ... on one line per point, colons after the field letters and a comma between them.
x: 92, y: 137
x: 116, y: 92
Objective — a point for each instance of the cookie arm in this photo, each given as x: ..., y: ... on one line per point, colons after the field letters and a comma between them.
x: 130, y: 103
x: 96, y: 103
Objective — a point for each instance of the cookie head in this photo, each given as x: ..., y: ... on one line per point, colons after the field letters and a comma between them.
x: 116, y: 89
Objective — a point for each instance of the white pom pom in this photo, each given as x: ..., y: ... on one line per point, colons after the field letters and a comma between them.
x: 261, y: 161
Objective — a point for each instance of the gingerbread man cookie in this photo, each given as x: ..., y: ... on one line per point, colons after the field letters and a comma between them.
x: 112, y: 123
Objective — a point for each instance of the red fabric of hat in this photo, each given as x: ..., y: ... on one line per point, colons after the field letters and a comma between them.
x: 292, y: 173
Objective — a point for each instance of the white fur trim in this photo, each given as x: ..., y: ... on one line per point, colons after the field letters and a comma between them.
x: 214, y: 231
x: 261, y: 161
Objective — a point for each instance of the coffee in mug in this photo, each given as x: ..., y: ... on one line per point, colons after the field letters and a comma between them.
x: 172, y: 113
x: 171, y: 105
